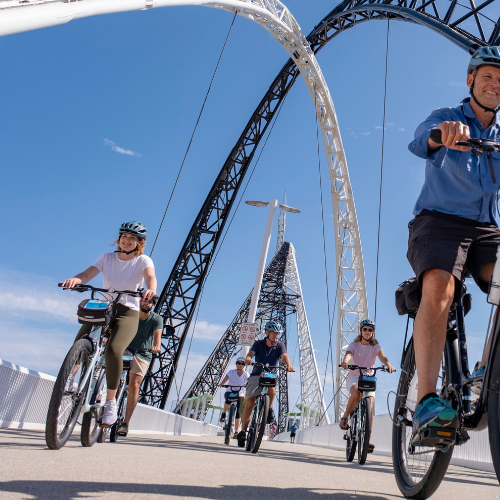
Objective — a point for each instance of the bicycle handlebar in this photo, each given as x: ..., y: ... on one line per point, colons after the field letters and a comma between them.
x: 85, y: 288
x: 270, y: 367
x: 240, y: 386
x: 479, y: 146
x: 356, y: 367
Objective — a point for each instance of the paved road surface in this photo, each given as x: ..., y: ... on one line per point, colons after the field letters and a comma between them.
x: 174, y: 467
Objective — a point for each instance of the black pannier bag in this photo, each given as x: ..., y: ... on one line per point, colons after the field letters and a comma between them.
x: 267, y: 379
x: 408, y: 297
x: 367, y: 384
x: 95, y: 312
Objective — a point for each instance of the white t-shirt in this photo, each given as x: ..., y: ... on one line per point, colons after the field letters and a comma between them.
x: 123, y: 275
x: 235, y: 379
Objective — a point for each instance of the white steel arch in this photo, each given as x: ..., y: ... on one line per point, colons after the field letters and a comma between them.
x: 23, y: 15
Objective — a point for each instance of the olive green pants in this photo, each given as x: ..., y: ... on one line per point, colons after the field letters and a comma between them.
x: 124, y: 330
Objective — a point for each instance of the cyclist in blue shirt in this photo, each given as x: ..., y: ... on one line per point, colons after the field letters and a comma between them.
x: 266, y: 351
x: 455, y: 229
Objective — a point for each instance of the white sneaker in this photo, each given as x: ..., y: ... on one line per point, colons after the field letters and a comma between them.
x: 109, y: 414
x: 71, y: 385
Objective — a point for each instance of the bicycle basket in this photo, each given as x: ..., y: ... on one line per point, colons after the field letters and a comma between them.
x: 367, y: 384
x: 94, y: 312
x: 127, y: 358
x: 267, y: 379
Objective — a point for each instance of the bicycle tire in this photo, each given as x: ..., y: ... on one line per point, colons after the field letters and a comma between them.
x: 103, y: 435
x: 410, y: 484
x: 250, y: 439
x: 252, y: 426
x: 91, y: 428
x: 229, y: 425
x: 351, y: 442
x: 260, y: 428
x: 493, y: 406
x: 364, y: 430
x: 122, y: 407
x: 55, y: 436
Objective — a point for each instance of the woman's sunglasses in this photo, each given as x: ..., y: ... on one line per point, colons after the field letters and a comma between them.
x: 367, y: 330
x: 240, y: 363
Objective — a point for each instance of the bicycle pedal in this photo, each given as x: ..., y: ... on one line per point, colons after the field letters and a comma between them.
x: 436, y: 437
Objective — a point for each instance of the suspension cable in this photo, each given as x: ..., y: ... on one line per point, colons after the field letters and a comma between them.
x: 381, y: 171
x: 192, y: 135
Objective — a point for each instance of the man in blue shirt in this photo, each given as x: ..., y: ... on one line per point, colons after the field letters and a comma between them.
x: 267, y: 351
x: 455, y: 229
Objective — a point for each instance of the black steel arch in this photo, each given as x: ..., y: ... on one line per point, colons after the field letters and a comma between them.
x: 181, y: 292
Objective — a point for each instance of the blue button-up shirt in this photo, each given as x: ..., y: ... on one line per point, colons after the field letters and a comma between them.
x: 457, y: 182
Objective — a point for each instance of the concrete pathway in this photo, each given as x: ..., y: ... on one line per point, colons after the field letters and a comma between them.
x: 160, y: 467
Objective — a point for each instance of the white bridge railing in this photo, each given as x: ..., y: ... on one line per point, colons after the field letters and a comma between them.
x: 25, y: 396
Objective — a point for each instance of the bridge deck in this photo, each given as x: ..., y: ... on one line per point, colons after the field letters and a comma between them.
x: 157, y: 467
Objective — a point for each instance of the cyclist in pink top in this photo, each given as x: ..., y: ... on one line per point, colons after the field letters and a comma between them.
x: 362, y: 352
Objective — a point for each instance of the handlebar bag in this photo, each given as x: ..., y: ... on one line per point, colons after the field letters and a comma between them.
x: 232, y: 396
x: 267, y: 379
x: 95, y: 312
x: 408, y: 297
x: 367, y: 384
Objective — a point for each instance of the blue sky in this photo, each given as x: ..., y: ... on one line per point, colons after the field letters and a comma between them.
x: 96, y: 118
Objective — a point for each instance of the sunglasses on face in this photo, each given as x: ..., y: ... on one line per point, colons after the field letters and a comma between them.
x: 240, y: 363
x: 367, y: 330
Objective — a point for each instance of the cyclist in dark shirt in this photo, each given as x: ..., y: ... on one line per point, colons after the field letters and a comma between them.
x: 266, y: 351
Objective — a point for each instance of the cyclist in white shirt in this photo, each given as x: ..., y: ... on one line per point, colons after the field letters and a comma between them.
x: 238, y: 377
x: 125, y: 269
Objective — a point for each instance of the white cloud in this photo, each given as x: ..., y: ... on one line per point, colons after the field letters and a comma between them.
x: 365, y: 133
x: 208, y: 331
x: 401, y: 129
x: 120, y: 150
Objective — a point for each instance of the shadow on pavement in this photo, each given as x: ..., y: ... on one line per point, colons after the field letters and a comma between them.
x: 53, y: 490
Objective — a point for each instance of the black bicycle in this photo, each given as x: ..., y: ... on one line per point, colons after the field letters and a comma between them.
x: 360, y: 419
x: 419, y: 470
x: 80, y: 386
x: 260, y: 411
x: 232, y: 398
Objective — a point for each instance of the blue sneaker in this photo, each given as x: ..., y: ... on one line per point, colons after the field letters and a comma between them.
x: 433, y: 412
x: 479, y: 371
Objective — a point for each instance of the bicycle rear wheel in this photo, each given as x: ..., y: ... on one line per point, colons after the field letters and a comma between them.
x: 229, y: 425
x: 261, y: 421
x: 65, y: 402
x: 350, y: 449
x: 364, y: 430
x: 122, y: 408
x: 91, y: 428
x: 494, y: 407
x: 418, y: 475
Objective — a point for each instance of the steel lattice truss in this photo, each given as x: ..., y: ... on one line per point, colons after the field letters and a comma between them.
x: 276, y: 301
x: 311, y: 391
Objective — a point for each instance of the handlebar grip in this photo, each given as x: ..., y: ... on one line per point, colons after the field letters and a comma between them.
x: 436, y: 135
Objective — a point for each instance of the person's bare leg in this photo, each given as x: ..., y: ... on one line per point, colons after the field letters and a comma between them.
x: 272, y: 393
x: 485, y: 274
x: 134, y: 384
x: 353, y: 401
x: 429, y: 331
x: 247, y: 412
x: 226, y: 407
x: 237, y: 423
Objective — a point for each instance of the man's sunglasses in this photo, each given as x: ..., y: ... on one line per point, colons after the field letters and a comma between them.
x: 240, y: 363
x: 367, y: 330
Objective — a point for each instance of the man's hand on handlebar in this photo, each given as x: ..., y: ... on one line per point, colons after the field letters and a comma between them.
x: 451, y: 133
x: 156, y: 349
x: 248, y: 361
x: 148, y: 294
x: 290, y: 368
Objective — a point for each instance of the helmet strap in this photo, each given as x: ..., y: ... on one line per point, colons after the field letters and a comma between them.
x: 126, y: 253
x: 491, y: 110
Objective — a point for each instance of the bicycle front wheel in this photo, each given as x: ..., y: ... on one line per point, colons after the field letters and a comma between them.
x: 418, y: 470
x: 91, y: 420
x: 229, y: 425
x: 261, y: 421
x: 351, y: 442
x: 67, y: 398
x: 365, y: 425
x: 493, y: 409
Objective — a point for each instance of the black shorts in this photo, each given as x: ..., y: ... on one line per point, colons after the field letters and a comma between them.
x: 292, y: 434
x: 239, y: 404
x: 451, y: 243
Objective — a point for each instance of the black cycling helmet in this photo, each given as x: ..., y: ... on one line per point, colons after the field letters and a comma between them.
x: 135, y: 228
x: 485, y: 56
x: 366, y: 322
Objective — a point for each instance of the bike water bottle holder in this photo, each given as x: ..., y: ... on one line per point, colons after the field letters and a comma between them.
x: 268, y: 379
x: 95, y: 312
x: 367, y: 384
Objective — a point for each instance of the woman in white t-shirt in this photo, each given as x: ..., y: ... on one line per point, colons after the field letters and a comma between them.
x: 238, y: 377
x: 363, y: 351
x: 124, y: 269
